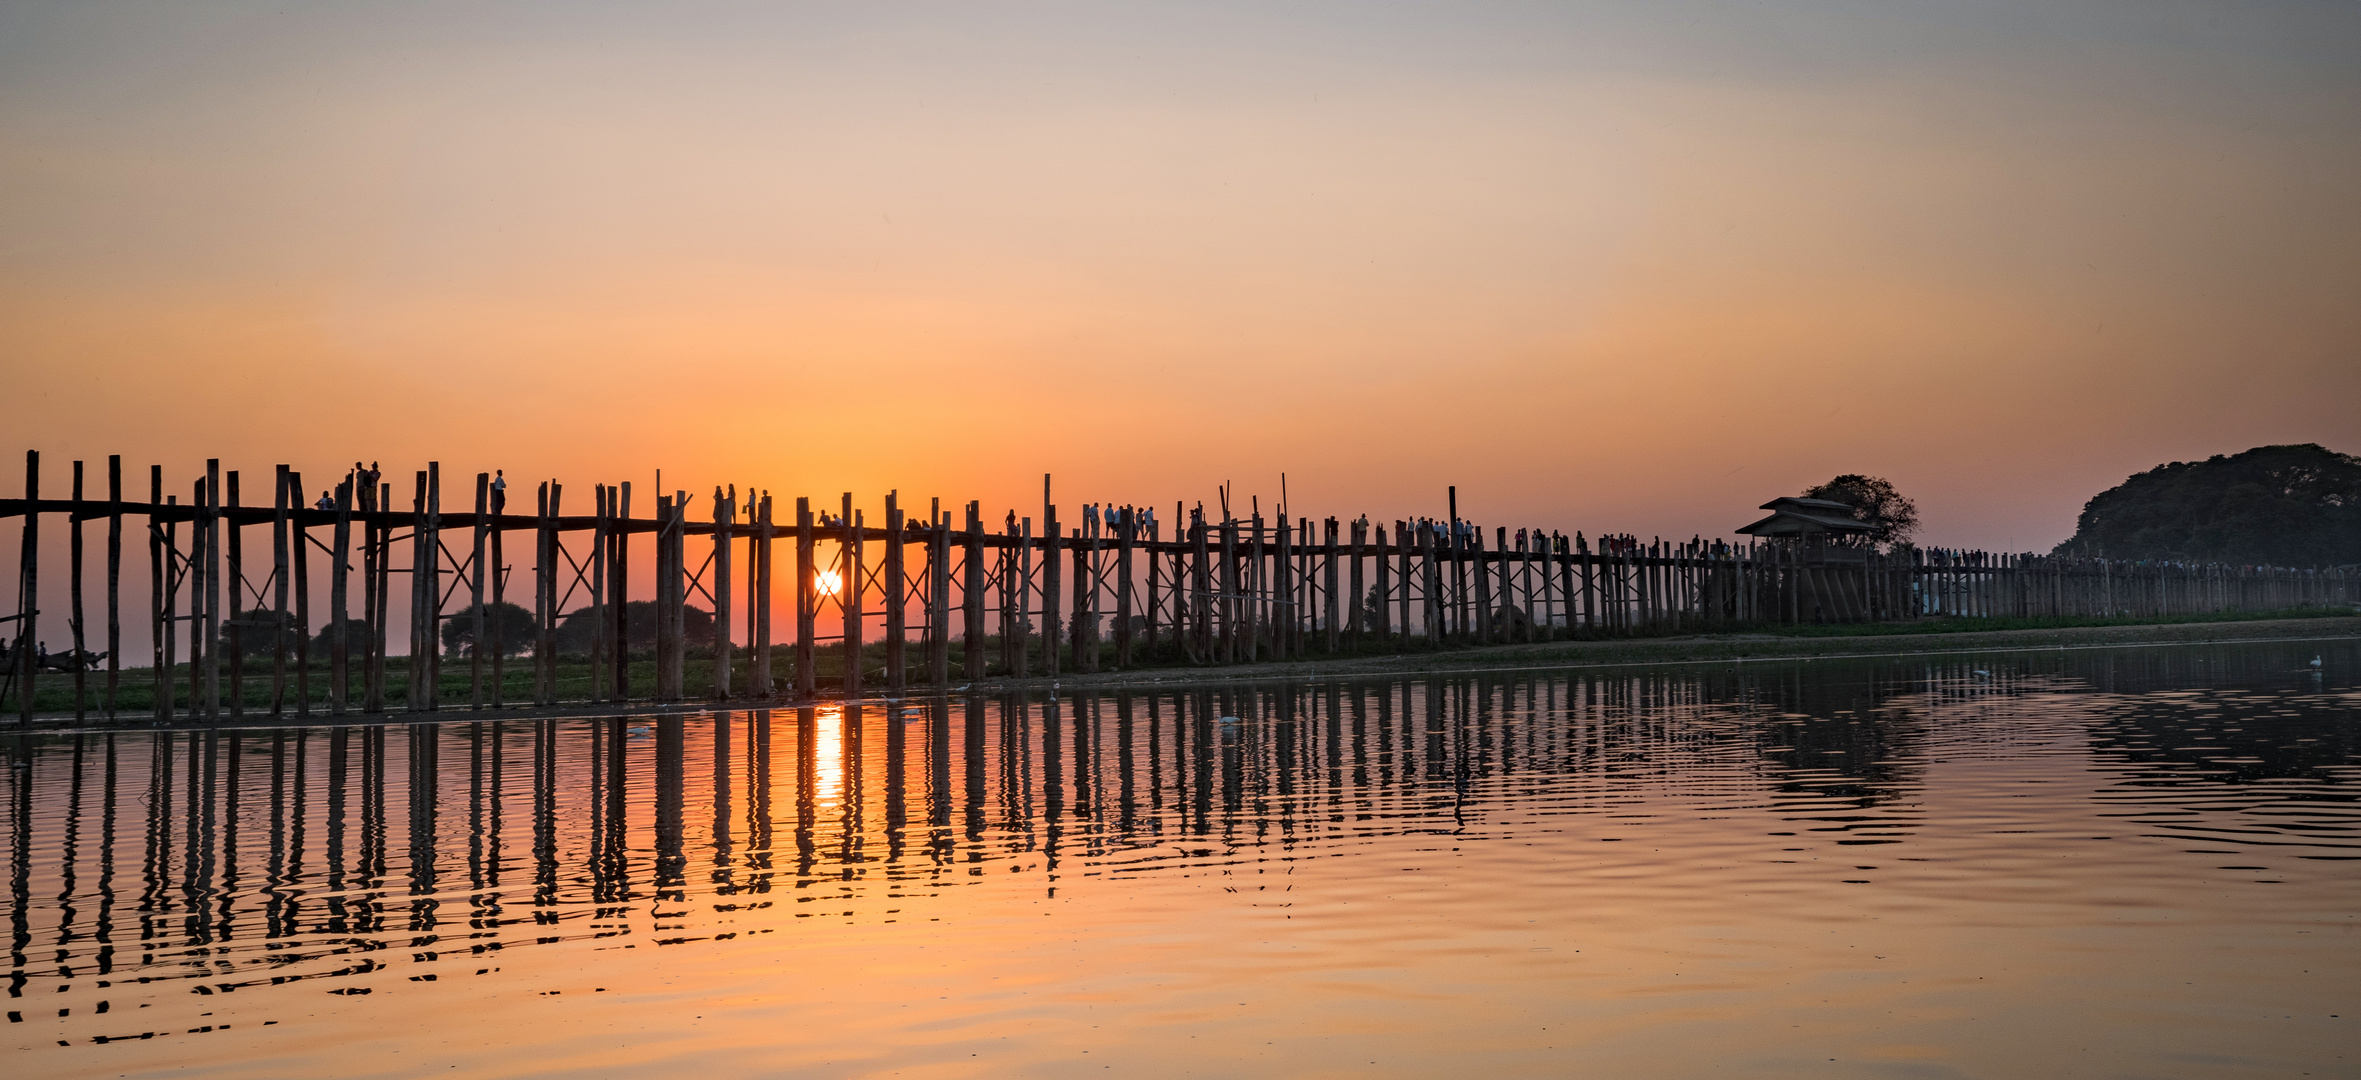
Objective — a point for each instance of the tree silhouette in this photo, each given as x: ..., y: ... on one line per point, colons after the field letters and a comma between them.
x: 576, y: 632
x: 2297, y: 505
x: 515, y: 631
x: 1875, y: 503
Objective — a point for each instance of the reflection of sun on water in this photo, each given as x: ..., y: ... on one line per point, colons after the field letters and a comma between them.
x: 829, y: 582
x: 828, y: 754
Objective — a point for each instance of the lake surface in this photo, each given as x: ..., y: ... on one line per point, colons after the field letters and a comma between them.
x: 2124, y: 862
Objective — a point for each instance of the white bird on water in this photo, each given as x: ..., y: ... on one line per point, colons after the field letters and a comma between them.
x: 2315, y: 661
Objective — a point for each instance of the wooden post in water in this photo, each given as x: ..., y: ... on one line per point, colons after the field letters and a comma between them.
x: 602, y: 536
x: 211, y: 624
x: 849, y: 597
x: 665, y: 596
x: 972, y: 665
x: 1357, y: 619
x: 1051, y: 626
x: 897, y: 629
x: 1330, y: 609
x: 725, y: 516
x: 1087, y: 596
x: 279, y: 589
x: 1126, y: 523
x: 425, y: 627
x: 115, y: 579
x: 938, y: 598
x: 373, y: 584
x: 28, y: 597
x: 339, y: 599
x: 160, y: 593
x: 1200, y: 630
x: 1232, y: 592
x: 237, y: 586
x: 763, y: 588
x: 677, y: 656
x: 1281, y: 618
x: 1427, y: 543
x: 807, y: 682
x: 1381, y: 590
x: 619, y: 590
x: 543, y: 603
x: 300, y: 541
x: 475, y: 631
x: 74, y: 592
x: 431, y: 695
x: 1012, y: 594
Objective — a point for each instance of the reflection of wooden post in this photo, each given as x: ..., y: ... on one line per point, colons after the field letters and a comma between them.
x: 114, y: 578
x: 807, y: 682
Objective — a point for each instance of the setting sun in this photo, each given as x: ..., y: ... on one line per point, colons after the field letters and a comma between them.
x: 829, y: 582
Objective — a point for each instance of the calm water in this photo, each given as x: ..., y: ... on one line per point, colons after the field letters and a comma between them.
x: 2105, y: 863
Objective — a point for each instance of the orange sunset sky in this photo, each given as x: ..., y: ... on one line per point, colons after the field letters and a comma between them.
x: 1609, y: 267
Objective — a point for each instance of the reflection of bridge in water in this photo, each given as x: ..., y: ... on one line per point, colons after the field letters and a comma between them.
x: 235, y: 859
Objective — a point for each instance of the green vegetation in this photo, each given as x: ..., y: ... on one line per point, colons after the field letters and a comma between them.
x: 2271, y: 506
x: 2045, y: 622
x: 55, y: 691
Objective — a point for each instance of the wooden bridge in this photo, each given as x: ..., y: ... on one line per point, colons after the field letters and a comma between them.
x: 975, y: 604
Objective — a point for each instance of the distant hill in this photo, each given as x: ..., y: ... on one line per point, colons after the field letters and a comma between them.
x: 2273, y: 505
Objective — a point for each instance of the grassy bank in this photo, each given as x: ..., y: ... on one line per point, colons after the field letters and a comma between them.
x: 1167, y: 664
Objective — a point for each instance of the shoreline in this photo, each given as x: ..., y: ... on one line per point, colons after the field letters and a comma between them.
x: 1682, y: 651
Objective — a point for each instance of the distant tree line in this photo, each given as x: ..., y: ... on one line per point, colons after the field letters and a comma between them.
x: 2296, y: 505
x: 254, y: 631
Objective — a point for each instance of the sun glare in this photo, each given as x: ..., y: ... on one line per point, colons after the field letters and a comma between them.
x: 829, y: 582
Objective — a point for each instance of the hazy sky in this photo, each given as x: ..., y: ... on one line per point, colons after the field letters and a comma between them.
x: 1611, y: 267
